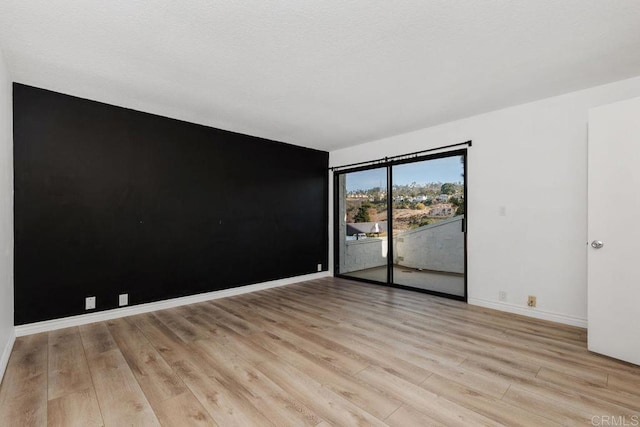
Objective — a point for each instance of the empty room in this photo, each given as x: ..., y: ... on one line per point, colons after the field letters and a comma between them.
x: 316, y: 213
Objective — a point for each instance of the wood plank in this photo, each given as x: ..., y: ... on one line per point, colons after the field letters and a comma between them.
x: 77, y: 409
x: 280, y: 408
x: 169, y: 345
x: 374, y: 401
x: 332, y: 407
x: 67, y: 371
x: 541, y: 404
x: 179, y: 325
x: 410, y: 368
x: 618, y: 397
x: 425, y: 401
x: 485, y: 405
x: 406, y: 416
x: 121, y: 398
x: 23, y: 394
x: 567, y: 396
x: 183, y: 410
x: 628, y: 382
x: 220, y: 400
x: 96, y: 339
x: 155, y: 376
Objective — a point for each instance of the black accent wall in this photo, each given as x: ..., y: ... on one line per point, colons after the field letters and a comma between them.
x: 110, y: 200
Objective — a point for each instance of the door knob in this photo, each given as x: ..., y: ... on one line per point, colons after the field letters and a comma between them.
x: 597, y: 244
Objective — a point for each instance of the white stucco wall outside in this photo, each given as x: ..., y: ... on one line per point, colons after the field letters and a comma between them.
x: 438, y: 247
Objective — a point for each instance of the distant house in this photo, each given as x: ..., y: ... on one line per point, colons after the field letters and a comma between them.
x: 442, y: 198
x: 357, y: 196
x: 443, y: 209
x: 355, y: 228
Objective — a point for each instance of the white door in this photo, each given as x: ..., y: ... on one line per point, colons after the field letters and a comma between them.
x: 614, y: 220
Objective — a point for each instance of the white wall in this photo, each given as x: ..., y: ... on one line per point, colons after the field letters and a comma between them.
x: 532, y: 160
x: 6, y: 217
x: 438, y: 246
x: 364, y: 254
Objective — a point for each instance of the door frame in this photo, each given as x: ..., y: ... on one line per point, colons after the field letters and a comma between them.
x: 388, y: 165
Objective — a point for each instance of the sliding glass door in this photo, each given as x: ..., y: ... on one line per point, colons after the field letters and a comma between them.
x: 403, y: 224
x: 428, y: 225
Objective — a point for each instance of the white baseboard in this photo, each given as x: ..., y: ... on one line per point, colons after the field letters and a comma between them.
x: 530, y: 312
x: 83, y: 319
x: 6, y: 352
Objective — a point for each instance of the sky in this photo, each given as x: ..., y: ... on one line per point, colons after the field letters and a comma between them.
x: 447, y: 169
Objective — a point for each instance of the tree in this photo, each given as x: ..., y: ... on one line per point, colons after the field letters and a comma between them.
x: 448, y: 188
x: 363, y: 213
x: 420, y: 206
x: 458, y: 202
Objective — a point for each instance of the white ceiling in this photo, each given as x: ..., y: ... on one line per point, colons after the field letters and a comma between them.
x: 323, y: 74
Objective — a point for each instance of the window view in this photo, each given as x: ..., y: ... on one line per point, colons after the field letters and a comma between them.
x: 426, y: 250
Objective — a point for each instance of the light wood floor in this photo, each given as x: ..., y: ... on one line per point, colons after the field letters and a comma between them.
x: 325, y: 352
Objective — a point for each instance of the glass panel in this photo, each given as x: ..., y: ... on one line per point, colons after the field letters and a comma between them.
x: 428, y: 210
x: 362, y: 204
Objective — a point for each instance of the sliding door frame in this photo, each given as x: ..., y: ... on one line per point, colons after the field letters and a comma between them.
x: 388, y: 165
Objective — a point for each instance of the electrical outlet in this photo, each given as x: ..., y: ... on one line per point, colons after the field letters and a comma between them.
x: 502, y: 296
x: 90, y: 303
x: 531, y: 301
x: 123, y: 300
x: 319, y: 267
